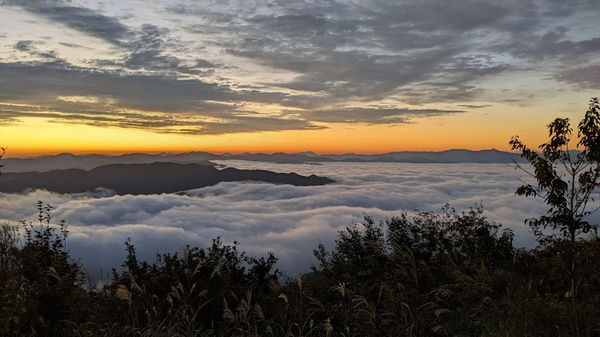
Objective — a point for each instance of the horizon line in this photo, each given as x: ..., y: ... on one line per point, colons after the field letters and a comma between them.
x: 118, y: 153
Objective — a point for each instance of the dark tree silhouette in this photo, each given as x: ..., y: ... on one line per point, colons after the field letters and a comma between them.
x: 566, y: 178
x: 2, y: 153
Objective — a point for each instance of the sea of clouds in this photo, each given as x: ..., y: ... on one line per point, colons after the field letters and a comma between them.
x: 287, y: 220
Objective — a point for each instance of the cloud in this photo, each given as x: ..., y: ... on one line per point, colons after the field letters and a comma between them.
x: 553, y: 43
x: 44, y: 82
x: 186, y: 106
x: 160, y: 123
x: 474, y: 106
x: 82, y: 19
x: 287, y: 220
x: 442, y: 15
x: 29, y: 47
x: 178, y: 106
x: 354, y: 73
x: 416, y: 51
x: 372, y: 115
x: 147, y: 52
x: 24, y: 45
x: 201, y: 64
x: 332, y: 46
x: 587, y: 77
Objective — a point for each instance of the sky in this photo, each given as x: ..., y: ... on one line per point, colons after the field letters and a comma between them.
x: 288, y: 76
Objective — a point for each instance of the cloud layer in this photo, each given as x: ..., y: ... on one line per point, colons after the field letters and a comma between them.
x: 287, y: 220
x: 208, y: 67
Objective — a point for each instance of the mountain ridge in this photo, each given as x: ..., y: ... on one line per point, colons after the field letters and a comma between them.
x: 90, y: 161
x: 152, y: 178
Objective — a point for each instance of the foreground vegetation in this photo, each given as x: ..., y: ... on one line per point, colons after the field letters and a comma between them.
x: 432, y: 274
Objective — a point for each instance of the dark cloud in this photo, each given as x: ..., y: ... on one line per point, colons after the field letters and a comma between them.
x: 332, y: 54
x: 145, y: 46
x: 82, y: 19
x: 182, y: 125
x: 474, y: 106
x: 421, y: 93
x: 29, y: 46
x: 343, y: 75
x: 26, y: 3
x: 587, y: 77
x: 442, y: 15
x: 72, y: 45
x: 374, y: 49
x: 44, y: 82
x: 178, y: 106
x: 8, y: 120
x: 230, y: 121
x: 24, y: 45
x: 372, y: 115
x: 147, y: 51
x: 414, y: 42
x: 552, y: 44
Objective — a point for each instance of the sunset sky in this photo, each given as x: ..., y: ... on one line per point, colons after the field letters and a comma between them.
x: 289, y: 76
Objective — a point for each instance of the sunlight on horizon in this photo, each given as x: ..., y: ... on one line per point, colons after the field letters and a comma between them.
x: 149, y: 77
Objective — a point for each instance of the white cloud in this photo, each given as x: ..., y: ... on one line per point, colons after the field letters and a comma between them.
x: 287, y: 220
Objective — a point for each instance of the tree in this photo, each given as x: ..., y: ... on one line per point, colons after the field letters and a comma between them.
x: 566, y: 178
x: 2, y: 152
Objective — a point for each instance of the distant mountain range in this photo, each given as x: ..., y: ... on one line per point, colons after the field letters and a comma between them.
x: 86, y: 162
x: 145, y: 178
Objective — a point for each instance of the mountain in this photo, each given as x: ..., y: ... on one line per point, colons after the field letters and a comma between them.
x: 90, y: 161
x: 448, y: 157
x: 86, y: 162
x: 145, y: 178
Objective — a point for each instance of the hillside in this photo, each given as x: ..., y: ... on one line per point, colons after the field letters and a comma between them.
x: 146, y: 178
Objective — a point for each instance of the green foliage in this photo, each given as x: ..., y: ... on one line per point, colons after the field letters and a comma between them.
x: 414, y: 274
x: 40, y: 284
x: 565, y: 178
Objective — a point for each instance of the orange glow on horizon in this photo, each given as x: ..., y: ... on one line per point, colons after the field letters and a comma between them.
x: 366, y: 139
x: 477, y: 130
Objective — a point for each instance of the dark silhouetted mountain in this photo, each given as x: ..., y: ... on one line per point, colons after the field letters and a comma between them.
x: 90, y: 161
x: 145, y: 178
x: 449, y: 156
x: 86, y: 162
